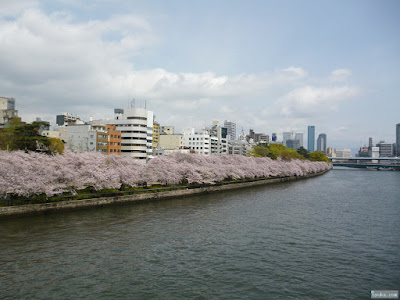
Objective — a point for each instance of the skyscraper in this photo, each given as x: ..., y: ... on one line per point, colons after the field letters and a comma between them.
x: 311, y: 138
x: 321, y: 142
x: 398, y: 139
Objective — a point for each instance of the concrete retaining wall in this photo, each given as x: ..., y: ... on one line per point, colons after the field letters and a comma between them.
x: 30, y: 209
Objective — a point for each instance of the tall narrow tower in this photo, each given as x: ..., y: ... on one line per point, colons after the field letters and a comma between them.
x: 311, y: 138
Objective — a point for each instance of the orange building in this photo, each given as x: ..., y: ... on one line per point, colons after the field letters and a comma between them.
x: 114, y: 140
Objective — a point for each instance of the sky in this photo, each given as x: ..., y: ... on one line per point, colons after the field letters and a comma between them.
x: 272, y: 66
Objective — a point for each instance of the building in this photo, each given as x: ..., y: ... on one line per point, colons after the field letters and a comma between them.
x: 385, y: 149
x: 171, y: 141
x: 287, y: 136
x: 156, y: 135
x: 7, y: 110
x: 255, y: 138
x: 321, y: 142
x: 231, y: 127
x: 167, y: 130
x: 373, y: 152
x: 237, y: 147
x: 274, y: 137
x: 398, y: 139
x: 82, y: 138
x: 113, y: 140
x: 363, y: 152
x: 67, y: 119
x: 311, y: 138
x: 330, y: 152
x: 218, y: 139
x: 299, y: 136
x: 198, y: 142
x: 293, y: 144
x: 343, y: 152
x: 97, y: 137
x: 136, y: 127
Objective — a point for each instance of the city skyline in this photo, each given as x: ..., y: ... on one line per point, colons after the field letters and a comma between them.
x: 266, y: 66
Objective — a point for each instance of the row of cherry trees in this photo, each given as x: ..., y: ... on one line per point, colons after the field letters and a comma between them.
x: 33, y: 173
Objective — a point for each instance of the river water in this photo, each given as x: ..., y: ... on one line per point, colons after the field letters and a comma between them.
x: 336, y: 236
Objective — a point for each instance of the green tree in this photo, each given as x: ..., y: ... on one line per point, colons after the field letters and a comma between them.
x: 18, y: 136
x: 274, y: 151
x: 319, y: 156
x: 304, y: 152
x: 7, y: 134
x: 56, y: 146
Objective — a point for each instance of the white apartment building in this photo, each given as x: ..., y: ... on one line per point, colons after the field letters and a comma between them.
x: 219, y: 139
x: 198, y: 142
x: 136, y: 127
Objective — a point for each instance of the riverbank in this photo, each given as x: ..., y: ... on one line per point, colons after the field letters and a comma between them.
x: 45, y: 208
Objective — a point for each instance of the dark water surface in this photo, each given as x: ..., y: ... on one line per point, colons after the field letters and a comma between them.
x: 336, y: 236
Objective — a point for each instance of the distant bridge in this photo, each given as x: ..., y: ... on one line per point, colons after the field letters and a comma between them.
x: 367, y: 162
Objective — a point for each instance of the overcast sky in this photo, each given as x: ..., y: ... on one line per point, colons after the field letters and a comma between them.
x: 272, y: 66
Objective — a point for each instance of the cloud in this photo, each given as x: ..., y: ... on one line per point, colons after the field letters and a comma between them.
x: 51, y: 64
x: 339, y: 75
x: 309, y: 100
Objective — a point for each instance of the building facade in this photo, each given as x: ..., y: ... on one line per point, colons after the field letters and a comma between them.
x: 385, y: 149
x: 136, y: 127
x: 398, y: 139
x: 171, y: 141
x: 231, y: 127
x: 321, y: 142
x: 67, y: 119
x: 156, y: 135
x: 198, y: 142
x: 311, y: 138
x: 81, y: 138
x: 299, y: 136
x: 7, y: 110
x: 237, y: 147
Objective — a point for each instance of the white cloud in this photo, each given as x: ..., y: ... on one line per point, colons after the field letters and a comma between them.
x: 309, y: 100
x: 339, y: 75
x: 52, y: 64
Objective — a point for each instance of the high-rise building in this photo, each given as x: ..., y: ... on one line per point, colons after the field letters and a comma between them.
x: 311, y: 138
x: 398, y: 139
x: 321, y: 142
x: 136, y: 127
x: 231, y: 127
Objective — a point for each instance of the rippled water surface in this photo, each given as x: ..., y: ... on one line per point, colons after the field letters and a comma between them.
x: 336, y: 236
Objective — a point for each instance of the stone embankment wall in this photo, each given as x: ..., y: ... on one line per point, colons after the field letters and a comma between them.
x: 30, y: 209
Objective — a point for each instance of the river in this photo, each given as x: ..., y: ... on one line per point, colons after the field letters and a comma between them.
x: 335, y: 236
